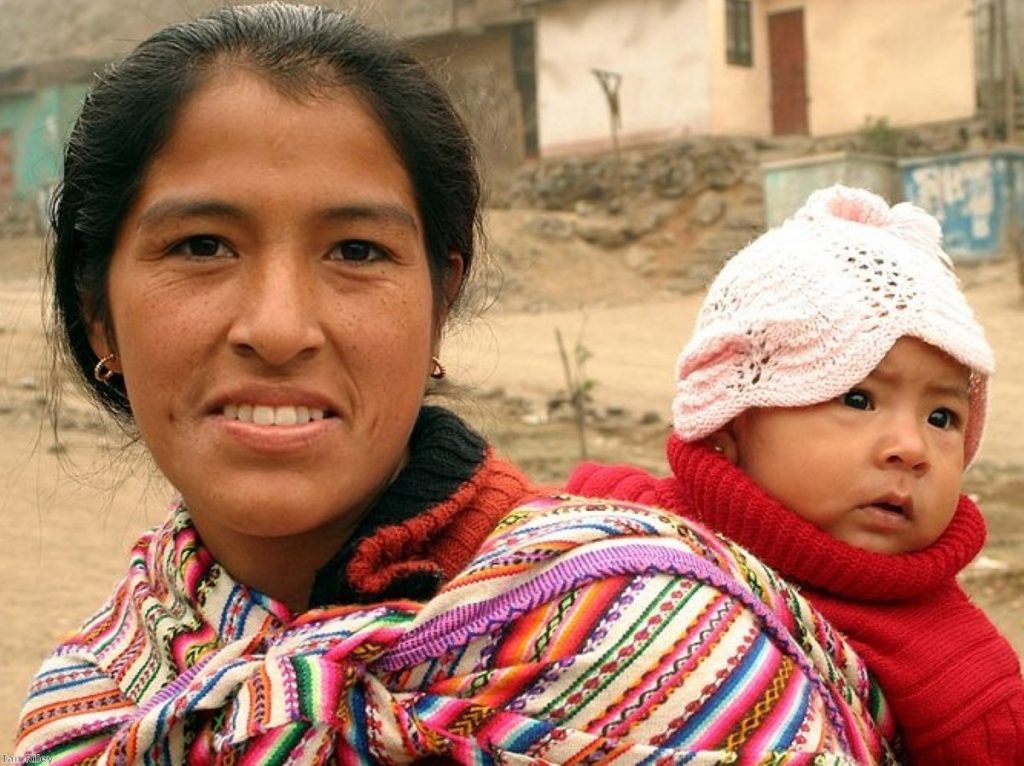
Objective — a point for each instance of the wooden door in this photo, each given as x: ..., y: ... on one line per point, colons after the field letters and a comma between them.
x: 788, y: 61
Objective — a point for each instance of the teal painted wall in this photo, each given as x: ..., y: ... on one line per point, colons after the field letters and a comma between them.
x: 788, y: 183
x: 39, y: 123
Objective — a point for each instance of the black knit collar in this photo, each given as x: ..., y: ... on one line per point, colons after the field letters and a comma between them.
x: 444, y: 453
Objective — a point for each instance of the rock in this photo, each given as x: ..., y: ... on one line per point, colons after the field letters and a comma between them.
x: 745, y: 221
x: 649, y: 217
x: 709, y: 208
x: 604, y: 234
x: 20, y: 219
x: 674, y: 179
x: 551, y: 227
x: 688, y: 285
x: 640, y: 258
x: 535, y: 419
x: 718, y: 173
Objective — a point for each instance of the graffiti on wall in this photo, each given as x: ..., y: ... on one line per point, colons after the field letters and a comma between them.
x: 973, y: 197
x: 962, y: 194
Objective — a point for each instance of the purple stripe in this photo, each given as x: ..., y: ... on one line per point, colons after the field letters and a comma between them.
x: 462, y: 623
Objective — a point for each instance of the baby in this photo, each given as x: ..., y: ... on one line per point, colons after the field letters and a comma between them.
x: 828, y: 403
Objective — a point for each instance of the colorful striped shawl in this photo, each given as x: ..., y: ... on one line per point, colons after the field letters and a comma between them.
x: 583, y: 632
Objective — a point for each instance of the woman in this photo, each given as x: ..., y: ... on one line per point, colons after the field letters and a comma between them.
x: 267, y: 216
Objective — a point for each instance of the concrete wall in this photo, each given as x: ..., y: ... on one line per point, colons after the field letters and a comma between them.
x: 659, y: 46
x: 788, y: 183
x: 909, y: 62
x: 740, y: 95
x: 479, y: 73
x: 865, y: 59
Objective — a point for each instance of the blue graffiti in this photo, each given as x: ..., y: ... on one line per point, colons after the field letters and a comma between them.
x: 978, y: 199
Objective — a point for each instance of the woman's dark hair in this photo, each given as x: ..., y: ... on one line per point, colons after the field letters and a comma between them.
x: 303, y: 51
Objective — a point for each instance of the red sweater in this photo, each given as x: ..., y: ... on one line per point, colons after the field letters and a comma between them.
x: 953, y: 682
x: 430, y: 522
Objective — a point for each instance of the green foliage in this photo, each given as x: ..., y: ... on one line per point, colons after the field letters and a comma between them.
x: 578, y: 385
x: 879, y: 137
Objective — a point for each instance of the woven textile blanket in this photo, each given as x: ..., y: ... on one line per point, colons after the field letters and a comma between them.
x: 583, y: 632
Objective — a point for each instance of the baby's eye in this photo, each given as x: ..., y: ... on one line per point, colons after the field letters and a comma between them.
x: 858, y: 400
x: 943, y: 418
x: 201, y: 246
x: 358, y: 250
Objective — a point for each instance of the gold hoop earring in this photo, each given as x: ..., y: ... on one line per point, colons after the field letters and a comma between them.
x: 439, y: 371
x: 102, y: 371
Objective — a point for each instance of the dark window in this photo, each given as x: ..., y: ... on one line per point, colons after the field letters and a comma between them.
x: 737, y: 33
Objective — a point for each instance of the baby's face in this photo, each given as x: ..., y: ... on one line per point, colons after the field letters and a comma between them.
x: 879, y: 467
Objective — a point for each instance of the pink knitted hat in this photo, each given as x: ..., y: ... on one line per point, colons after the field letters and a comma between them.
x: 810, y: 308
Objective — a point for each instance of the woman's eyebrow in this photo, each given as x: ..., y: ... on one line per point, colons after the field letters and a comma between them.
x: 174, y: 208
x: 170, y: 209
x: 385, y: 212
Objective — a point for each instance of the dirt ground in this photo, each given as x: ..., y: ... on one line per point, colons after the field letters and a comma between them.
x: 73, y: 499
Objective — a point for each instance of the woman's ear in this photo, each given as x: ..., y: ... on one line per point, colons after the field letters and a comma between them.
x: 453, y: 280
x: 723, y: 441
x: 102, y: 343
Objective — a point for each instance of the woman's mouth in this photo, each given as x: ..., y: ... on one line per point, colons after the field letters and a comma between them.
x: 267, y: 415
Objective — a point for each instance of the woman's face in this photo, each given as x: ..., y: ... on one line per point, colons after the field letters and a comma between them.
x: 272, y: 311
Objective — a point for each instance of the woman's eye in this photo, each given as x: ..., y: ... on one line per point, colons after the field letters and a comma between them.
x: 358, y: 250
x: 858, y: 400
x: 942, y: 418
x: 201, y: 247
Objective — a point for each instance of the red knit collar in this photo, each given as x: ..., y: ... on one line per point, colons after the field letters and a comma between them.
x: 730, y: 502
x: 429, y: 522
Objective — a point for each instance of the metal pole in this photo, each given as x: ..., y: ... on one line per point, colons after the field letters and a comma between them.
x: 1009, y: 105
x: 610, y: 84
x: 993, y: 93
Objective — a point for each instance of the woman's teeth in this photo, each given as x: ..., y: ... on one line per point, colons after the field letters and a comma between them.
x: 263, y: 415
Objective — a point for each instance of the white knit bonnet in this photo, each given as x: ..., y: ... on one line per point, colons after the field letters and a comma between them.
x: 810, y: 308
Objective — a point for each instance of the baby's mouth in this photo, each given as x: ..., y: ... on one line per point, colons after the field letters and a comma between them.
x: 266, y: 415
x: 891, y: 508
x: 897, y: 505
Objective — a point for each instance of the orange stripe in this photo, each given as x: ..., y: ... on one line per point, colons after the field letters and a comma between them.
x: 584, y: 614
x: 46, y: 715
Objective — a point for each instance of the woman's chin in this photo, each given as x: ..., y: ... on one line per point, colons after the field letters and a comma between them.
x: 274, y: 515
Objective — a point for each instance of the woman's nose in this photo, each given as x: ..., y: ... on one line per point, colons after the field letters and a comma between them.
x: 276, y: 316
